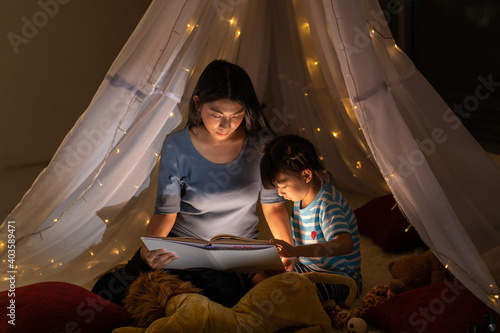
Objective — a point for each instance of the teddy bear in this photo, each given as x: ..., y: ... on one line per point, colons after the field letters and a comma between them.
x: 417, y: 271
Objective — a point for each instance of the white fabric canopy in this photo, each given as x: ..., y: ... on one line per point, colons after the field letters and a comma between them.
x: 334, y: 75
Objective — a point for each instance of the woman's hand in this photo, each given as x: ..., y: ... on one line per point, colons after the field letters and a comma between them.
x: 157, y: 259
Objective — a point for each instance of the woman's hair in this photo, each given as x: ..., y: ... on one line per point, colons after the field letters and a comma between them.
x: 224, y: 80
x: 290, y: 154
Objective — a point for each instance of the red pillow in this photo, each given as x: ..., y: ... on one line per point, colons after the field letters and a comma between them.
x: 59, y: 307
x: 438, y: 308
x: 386, y: 226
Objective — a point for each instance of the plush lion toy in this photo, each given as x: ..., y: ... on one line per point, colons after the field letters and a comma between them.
x: 417, y: 271
x: 160, y: 302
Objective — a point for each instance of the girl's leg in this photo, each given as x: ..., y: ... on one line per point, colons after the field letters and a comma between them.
x: 326, y: 291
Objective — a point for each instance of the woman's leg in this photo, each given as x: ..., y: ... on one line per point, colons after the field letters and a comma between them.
x: 112, y: 286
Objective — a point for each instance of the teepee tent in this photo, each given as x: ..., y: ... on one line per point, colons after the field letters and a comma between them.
x: 335, y: 76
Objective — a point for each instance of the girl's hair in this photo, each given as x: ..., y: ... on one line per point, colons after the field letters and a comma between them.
x: 290, y: 154
x: 224, y: 80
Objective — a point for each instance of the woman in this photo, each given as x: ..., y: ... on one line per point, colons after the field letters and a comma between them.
x: 209, y: 181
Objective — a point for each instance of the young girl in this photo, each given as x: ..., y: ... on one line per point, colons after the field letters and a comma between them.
x: 209, y: 182
x: 323, y: 224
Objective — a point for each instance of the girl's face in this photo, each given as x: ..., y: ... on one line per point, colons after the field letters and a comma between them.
x: 222, y: 117
x: 296, y: 188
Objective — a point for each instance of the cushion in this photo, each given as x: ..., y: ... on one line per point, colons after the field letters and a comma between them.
x: 59, y: 307
x: 443, y: 307
x: 386, y: 226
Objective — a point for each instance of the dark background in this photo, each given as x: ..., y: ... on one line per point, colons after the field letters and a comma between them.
x: 452, y: 43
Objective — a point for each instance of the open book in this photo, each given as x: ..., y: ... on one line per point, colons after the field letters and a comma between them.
x: 222, y: 252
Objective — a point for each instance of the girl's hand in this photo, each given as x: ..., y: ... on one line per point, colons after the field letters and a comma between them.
x: 284, y: 249
x: 157, y: 259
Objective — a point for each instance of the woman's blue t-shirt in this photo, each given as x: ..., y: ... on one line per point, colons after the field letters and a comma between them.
x: 210, y: 198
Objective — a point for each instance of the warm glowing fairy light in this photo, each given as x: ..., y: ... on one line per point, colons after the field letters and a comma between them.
x: 318, y: 129
x: 106, y: 221
x: 316, y: 63
x: 171, y: 114
x: 306, y: 94
x: 358, y: 165
x: 117, y: 150
x: 335, y: 134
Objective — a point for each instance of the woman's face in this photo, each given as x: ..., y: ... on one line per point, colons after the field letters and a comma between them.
x: 222, y: 117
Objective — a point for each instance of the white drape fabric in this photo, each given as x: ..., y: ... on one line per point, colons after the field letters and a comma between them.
x: 327, y: 70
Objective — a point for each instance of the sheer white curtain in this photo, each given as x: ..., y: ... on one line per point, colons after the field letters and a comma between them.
x: 442, y: 179
x: 86, y: 210
x: 336, y: 77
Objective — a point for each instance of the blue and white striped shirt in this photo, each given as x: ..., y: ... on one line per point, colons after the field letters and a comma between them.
x: 326, y: 216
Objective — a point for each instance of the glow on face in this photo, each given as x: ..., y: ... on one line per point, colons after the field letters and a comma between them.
x: 222, y: 117
x: 292, y: 188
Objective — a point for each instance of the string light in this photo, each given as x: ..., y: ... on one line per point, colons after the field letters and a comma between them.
x: 318, y: 129
x: 106, y: 221
x: 447, y: 264
x: 117, y: 150
x: 238, y: 32
x: 335, y: 134
x: 306, y: 94
x: 316, y: 63
x: 231, y: 21
x: 408, y: 229
x: 358, y: 165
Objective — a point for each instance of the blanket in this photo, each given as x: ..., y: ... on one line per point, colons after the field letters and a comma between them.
x: 285, y: 301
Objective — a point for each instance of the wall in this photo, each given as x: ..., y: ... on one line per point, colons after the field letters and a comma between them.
x: 54, y: 55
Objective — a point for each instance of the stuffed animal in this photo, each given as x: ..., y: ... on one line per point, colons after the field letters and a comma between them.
x: 417, y: 271
x: 349, y: 320
x: 284, y: 301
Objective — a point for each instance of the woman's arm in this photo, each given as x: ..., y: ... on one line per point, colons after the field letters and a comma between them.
x: 159, y: 226
x: 279, y: 223
x: 341, y: 244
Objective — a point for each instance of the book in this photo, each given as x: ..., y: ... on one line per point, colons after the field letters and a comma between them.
x: 222, y: 252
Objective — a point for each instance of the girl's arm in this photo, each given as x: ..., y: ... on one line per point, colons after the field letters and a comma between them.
x: 341, y: 244
x: 159, y: 226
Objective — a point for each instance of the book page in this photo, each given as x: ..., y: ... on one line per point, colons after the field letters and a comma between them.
x: 251, y: 261
x: 190, y: 255
x: 231, y: 239
x: 224, y: 257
